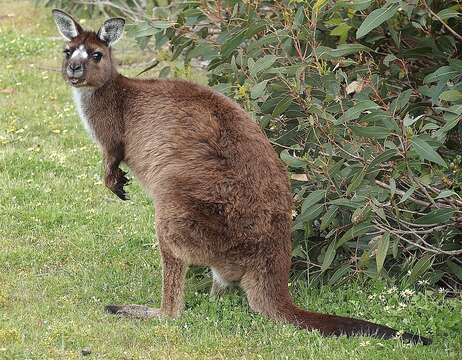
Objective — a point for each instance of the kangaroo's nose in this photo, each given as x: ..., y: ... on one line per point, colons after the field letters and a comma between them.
x: 75, y: 69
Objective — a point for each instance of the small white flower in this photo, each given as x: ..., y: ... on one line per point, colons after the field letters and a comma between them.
x: 392, y: 290
x: 423, y: 282
x: 407, y: 293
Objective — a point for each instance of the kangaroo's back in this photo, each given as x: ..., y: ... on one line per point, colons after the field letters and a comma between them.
x: 179, y: 129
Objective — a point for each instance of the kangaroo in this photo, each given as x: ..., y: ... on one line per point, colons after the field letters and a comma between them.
x: 221, y: 195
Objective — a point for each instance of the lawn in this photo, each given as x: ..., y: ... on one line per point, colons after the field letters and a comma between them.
x: 68, y: 246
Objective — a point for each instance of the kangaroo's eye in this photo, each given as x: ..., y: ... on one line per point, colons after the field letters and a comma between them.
x: 67, y: 53
x: 96, y: 56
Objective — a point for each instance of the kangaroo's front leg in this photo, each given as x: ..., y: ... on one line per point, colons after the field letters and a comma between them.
x: 114, y: 177
x: 174, y: 273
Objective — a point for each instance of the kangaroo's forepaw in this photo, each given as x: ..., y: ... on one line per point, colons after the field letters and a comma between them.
x: 134, y: 311
x: 116, y: 182
x: 120, y: 191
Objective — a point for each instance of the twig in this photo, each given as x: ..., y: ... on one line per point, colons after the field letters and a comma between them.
x: 453, y: 32
x: 400, y: 192
x: 431, y: 249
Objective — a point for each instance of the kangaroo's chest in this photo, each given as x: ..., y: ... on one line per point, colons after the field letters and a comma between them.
x: 82, y: 100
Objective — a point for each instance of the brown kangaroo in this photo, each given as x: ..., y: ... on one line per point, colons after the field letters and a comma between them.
x: 222, y: 196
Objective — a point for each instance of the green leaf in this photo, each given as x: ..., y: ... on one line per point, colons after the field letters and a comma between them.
x: 388, y: 59
x: 437, y: 216
x: 345, y: 202
x: 161, y: 24
x: 310, y: 214
x: 355, y: 231
x: 426, y: 152
x: 400, y: 102
x: 143, y: 29
x: 299, y: 16
x: 452, y: 116
x: 258, y: 89
x: 291, y: 160
x: 329, y: 256
x: 315, y: 197
x: 445, y: 194
x: 282, y: 106
x: 255, y: 28
x: 407, y: 194
x: 385, y: 156
x: 376, y: 18
x: 451, y: 95
x: 393, y: 187
x: 224, y: 88
x: 451, y: 12
x: 375, y: 132
x: 262, y: 64
x: 409, y: 120
x: 382, y: 250
x: 341, y: 30
x: 318, y: 5
x: 444, y: 73
x: 164, y: 72
x: 232, y: 43
x: 357, y: 5
x: 421, y: 267
x: 340, y: 273
x: 455, y: 269
x: 327, y: 53
x: 328, y: 217
x: 354, y: 112
x: 204, y: 50
x: 355, y: 182
x: 455, y: 64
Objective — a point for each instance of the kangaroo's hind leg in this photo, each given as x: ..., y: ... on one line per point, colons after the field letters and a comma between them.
x: 173, y: 281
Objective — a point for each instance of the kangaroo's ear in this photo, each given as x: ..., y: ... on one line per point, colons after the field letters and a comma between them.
x: 111, y: 31
x: 67, y: 26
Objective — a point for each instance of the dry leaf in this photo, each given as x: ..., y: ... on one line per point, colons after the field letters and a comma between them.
x: 299, y: 177
x: 7, y: 91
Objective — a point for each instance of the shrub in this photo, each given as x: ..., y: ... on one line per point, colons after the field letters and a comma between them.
x: 362, y: 100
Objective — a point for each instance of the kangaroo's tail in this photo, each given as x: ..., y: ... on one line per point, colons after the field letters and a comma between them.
x: 338, y: 325
x: 271, y: 298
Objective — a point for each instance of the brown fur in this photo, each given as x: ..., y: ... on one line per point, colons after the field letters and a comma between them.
x: 222, y: 197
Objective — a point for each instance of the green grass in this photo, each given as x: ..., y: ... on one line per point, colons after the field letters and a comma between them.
x: 68, y: 247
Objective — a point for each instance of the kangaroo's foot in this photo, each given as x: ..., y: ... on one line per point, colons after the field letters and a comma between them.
x: 134, y: 311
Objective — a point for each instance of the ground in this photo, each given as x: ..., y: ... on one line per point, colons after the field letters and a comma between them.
x: 68, y: 246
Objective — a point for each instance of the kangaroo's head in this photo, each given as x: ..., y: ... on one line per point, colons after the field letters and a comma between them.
x: 87, y: 54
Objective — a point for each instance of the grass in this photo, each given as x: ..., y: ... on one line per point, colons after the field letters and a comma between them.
x: 68, y: 247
